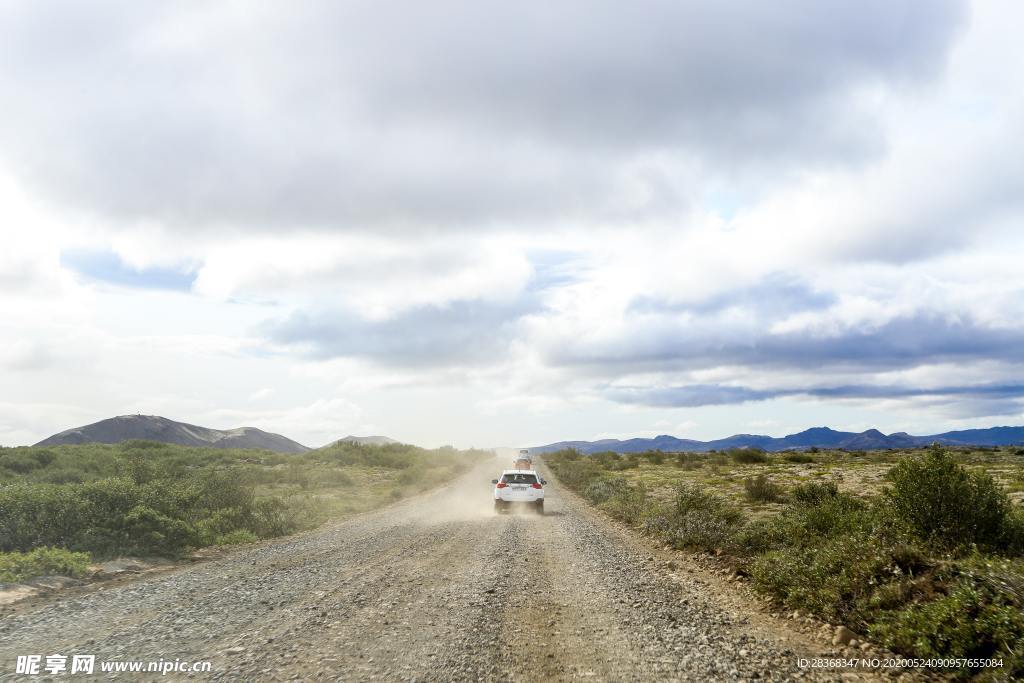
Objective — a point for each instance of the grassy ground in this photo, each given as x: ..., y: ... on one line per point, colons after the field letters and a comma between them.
x: 921, y: 551
x: 146, y: 498
x: 860, y: 474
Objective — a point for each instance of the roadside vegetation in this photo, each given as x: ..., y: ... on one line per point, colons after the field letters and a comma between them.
x: 920, y: 551
x: 61, y: 507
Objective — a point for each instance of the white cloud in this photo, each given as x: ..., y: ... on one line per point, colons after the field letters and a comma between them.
x: 451, y: 237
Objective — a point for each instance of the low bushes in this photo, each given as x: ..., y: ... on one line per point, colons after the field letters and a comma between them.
x: 121, y: 516
x: 390, y: 456
x: 631, y: 504
x: 578, y: 474
x: 760, y: 489
x: 602, y: 489
x: 979, y: 614
x: 815, y: 493
x: 15, y: 566
x: 614, y: 462
x: 654, y: 457
x: 696, y: 519
x: 835, y: 579
x: 747, y: 456
x: 689, y: 461
x: 148, y: 498
x: 949, y: 506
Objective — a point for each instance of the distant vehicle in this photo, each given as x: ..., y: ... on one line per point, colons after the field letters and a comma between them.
x: 523, y: 461
x: 519, y: 487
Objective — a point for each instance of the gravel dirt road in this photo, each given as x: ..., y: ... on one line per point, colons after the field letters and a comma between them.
x: 436, y: 587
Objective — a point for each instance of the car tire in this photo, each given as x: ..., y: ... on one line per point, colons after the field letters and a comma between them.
x: 498, y: 507
x: 540, y: 507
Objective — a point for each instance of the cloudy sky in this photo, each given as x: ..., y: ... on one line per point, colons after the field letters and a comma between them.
x: 492, y: 223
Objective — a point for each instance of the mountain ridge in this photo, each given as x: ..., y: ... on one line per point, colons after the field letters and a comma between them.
x: 815, y: 437
x: 164, y: 430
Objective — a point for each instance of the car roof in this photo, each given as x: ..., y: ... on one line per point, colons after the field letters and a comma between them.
x: 519, y: 472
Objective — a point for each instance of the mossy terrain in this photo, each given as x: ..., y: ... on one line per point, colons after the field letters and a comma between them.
x: 919, y: 550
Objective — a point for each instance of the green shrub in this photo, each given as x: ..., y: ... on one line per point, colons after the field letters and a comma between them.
x: 147, y: 531
x: 631, y: 504
x: 947, y: 505
x: 144, y: 445
x: 762, y: 489
x: 120, y: 516
x: 406, y: 478
x: 1013, y: 533
x: 696, y: 519
x: 981, y: 616
x: 689, y: 461
x: 43, y: 456
x: 815, y: 493
x: 151, y: 498
x: 606, y: 459
x: 576, y: 474
x: 18, y: 461
x: 224, y: 522
x: 602, y: 489
x: 236, y: 537
x: 829, y: 515
x: 141, y: 467
x: 836, y: 578
x: 747, y: 456
x: 62, y: 477
x: 655, y: 457
x: 389, y: 456
x: 816, y: 511
x: 567, y: 454
x: 297, y: 513
x: 798, y: 457
x: 16, y: 566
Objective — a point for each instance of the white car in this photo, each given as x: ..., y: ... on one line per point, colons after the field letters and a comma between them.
x: 519, y: 487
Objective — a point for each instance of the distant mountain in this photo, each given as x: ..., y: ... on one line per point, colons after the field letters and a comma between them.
x: 371, y: 440
x: 993, y: 436
x: 155, y: 428
x: 821, y: 437
x: 741, y: 441
x: 818, y: 436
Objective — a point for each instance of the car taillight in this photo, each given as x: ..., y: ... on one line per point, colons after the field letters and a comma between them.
x: 536, y: 485
x: 502, y: 484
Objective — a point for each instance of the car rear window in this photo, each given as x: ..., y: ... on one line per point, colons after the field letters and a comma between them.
x: 519, y: 478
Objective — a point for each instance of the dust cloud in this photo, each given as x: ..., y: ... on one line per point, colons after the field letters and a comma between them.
x: 469, y: 498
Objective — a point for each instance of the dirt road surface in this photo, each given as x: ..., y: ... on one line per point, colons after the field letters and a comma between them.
x: 437, y: 587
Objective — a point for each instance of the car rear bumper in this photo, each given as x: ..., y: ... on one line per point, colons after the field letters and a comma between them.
x: 537, y: 504
x: 518, y: 498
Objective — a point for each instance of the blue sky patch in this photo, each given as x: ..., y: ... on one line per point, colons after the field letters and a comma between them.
x: 107, y: 267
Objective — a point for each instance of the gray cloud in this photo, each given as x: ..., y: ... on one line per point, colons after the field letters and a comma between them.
x: 773, y: 296
x: 462, y: 333
x: 377, y: 115
x: 689, y: 396
x: 661, y: 337
x: 996, y: 397
x: 666, y: 342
